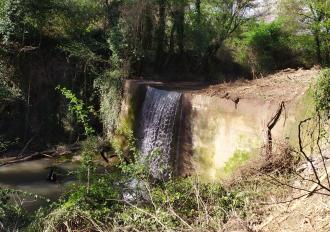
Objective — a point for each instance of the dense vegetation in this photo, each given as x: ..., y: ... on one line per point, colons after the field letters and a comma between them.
x: 62, y: 66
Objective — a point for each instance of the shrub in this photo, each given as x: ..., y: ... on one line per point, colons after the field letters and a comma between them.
x: 266, y: 47
x: 78, y: 108
x: 8, y: 92
x: 322, y: 92
x: 110, y: 90
x: 268, y: 43
x: 176, y: 205
x: 12, y: 216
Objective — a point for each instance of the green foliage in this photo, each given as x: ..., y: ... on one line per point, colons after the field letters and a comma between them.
x: 322, y: 92
x: 312, y: 19
x: 5, y: 143
x: 12, y: 216
x: 27, y: 19
x: 78, y: 108
x: 171, y: 206
x: 80, y: 51
x: 9, y: 95
x: 8, y: 92
x: 11, y: 19
x: 181, y: 195
x: 88, y: 166
x: 265, y: 47
x: 269, y: 46
x: 110, y: 86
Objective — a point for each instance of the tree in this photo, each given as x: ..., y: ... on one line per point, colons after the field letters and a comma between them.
x: 313, y: 17
x: 161, y: 31
x: 227, y: 16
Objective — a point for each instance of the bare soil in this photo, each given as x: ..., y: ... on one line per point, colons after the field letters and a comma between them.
x: 281, y: 86
x: 300, y: 214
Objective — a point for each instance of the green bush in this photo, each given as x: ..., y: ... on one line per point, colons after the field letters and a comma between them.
x: 269, y: 46
x: 78, y: 108
x: 266, y: 47
x: 8, y: 92
x: 110, y: 86
x: 12, y: 216
x: 322, y: 92
x: 176, y: 205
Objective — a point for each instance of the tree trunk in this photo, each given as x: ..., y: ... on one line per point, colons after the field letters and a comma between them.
x: 112, y: 10
x: 209, y: 54
x: 197, y: 31
x: 171, y: 48
x: 180, y: 27
x: 147, y: 28
x: 198, y: 13
x: 161, y: 32
x: 318, y: 47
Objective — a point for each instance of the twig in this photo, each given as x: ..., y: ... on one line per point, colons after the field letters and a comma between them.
x: 284, y: 202
x: 304, y: 179
x: 291, y: 186
x: 325, y: 175
x: 319, y: 147
x: 183, y: 221
x: 319, y: 182
x: 26, y: 145
x: 143, y: 211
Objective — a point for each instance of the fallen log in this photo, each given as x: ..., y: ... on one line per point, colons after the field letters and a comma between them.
x: 52, y: 153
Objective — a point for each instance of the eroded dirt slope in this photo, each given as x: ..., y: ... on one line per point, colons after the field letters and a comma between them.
x: 282, y: 86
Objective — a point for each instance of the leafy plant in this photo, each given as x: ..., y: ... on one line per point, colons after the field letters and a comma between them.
x: 110, y: 90
x: 78, y: 108
x: 8, y: 92
x: 322, y: 92
x: 12, y: 216
x: 269, y: 46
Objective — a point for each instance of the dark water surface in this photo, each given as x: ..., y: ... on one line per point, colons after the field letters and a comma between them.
x: 31, y: 177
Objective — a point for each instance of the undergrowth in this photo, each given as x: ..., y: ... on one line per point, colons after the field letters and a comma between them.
x: 125, y: 198
x: 13, y: 217
x: 322, y: 92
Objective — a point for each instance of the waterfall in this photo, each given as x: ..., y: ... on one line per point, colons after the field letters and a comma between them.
x: 157, y: 130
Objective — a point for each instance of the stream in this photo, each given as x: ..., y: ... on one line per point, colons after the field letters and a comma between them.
x: 31, y: 177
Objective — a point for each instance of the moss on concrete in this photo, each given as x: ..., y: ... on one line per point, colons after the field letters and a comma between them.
x: 237, y: 160
x: 304, y: 108
x: 124, y: 137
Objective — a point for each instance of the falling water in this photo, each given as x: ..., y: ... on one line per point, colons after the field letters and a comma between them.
x: 157, y: 130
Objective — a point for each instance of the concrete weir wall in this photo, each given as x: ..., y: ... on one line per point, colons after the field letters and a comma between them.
x: 217, y: 133
x: 225, y: 133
